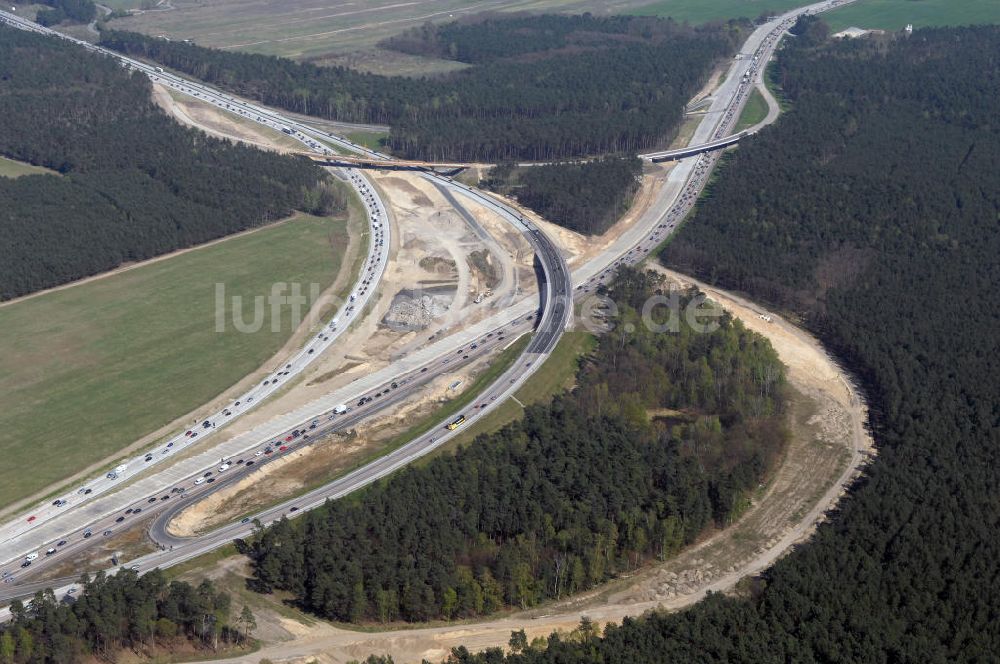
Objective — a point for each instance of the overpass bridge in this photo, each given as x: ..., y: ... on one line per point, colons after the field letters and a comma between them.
x: 441, y: 168
x: 691, y: 150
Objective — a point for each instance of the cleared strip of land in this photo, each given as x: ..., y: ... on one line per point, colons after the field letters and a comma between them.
x: 87, y: 370
x: 10, y: 168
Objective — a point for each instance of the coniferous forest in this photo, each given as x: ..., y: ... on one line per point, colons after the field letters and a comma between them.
x: 134, y: 184
x: 616, y: 85
x: 587, y: 197
x: 78, y: 11
x: 115, y: 614
x: 870, y: 210
x: 577, y: 492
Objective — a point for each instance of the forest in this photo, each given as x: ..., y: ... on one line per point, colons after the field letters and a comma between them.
x: 134, y: 184
x: 587, y: 197
x: 621, y: 87
x: 580, y: 490
x: 871, y: 211
x: 120, y: 613
x: 78, y: 11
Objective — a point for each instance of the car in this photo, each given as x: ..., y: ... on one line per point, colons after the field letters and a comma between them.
x: 165, y: 498
x: 200, y: 480
x: 106, y: 533
x: 283, y: 448
x: 137, y: 510
x: 250, y: 463
x: 394, y: 385
x: 57, y: 503
x: 210, y: 480
x: 206, y: 424
x: 258, y: 453
x: 50, y: 551
x: 170, y: 444
x: 31, y: 518
x: 82, y: 489
x: 88, y: 491
x: 224, y: 467
x: 71, y: 591
x: 129, y: 510
x: 268, y: 450
x: 26, y: 563
x: 149, y: 458
x: 119, y: 519
x: 208, y: 474
x: 423, y: 370
x: 288, y: 439
x: 152, y: 500
x: 61, y: 543
x: 245, y: 520
x: 134, y: 568
x: 294, y: 509
x: 87, y: 534
x: 188, y: 432
x: 240, y: 462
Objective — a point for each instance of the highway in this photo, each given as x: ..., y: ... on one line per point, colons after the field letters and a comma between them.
x: 685, y: 182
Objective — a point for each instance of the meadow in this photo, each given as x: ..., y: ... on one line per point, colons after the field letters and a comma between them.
x: 89, y: 369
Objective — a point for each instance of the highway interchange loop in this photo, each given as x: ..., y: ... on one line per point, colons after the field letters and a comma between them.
x: 367, y: 396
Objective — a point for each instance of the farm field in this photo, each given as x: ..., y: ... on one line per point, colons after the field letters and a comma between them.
x: 895, y: 14
x: 326, y: 31
x: 89, y: 369
x: 702, y: 11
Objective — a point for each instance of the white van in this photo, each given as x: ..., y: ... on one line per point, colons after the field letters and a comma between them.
x: 200, y: 480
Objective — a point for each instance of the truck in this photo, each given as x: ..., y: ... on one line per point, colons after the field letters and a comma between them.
x: 119, y: 470
x: 340, y: 409
x: 31, y: 556
x: 456, y: 423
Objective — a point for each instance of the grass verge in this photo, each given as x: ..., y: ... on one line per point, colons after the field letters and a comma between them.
x: 370, y: 139
x: 557, y: 374
x: 754, y: 111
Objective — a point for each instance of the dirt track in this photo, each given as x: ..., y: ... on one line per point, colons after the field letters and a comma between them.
x: 829, y: 443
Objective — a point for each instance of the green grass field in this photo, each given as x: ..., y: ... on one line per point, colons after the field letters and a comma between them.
x: 371, y: 140
x: 702, y: 11
x: 87, y: 370
x: 895, y: 14
x: 15, y: 169
x: 754, y: 111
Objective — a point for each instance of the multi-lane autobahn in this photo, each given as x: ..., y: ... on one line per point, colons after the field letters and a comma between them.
x: 684, y: 184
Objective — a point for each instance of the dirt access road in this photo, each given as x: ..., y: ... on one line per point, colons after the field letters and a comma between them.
x: 829, y: 445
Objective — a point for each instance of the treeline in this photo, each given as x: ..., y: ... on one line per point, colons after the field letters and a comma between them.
x: 871, y: 209
x: 587, y: 197
x: 79, y: 11
x: 113, y: 614
x: 135, y: 184
x: 573, y: 494
x: 618, y: 95
x: 480, y: 39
